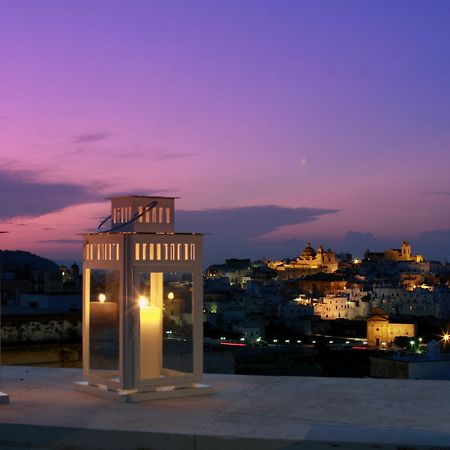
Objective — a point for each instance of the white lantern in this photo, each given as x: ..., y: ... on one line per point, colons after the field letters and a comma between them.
x: 142, y: 304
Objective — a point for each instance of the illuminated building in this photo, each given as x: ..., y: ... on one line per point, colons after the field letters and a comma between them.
x: 309, y: 261
x: 381, y: 332
x: 334, y: 307
x: 402, y: 254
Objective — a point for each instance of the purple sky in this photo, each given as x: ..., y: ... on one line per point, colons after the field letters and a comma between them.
x: 336, y: 112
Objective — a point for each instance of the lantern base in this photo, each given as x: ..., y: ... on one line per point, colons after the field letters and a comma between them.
x: 4, y: 398
x: 135, y: 395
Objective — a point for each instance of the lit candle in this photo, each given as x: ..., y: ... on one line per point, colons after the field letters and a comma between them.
x: 104, y: 334
x: 103, y: 314
x: 150, y: 340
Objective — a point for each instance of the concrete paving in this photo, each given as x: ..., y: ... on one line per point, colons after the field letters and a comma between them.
x: 244, y: 412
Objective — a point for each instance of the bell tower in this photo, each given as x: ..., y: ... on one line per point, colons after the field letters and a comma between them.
x: 406, y: 251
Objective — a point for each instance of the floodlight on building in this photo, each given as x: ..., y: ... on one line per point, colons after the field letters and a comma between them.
x: 137, y: 345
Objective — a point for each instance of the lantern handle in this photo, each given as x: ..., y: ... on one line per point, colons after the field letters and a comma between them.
x: 147, y: 208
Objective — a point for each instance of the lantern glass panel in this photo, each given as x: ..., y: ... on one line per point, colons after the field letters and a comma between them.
x: 178, y: 324
x: 166, y: 327
x: 104, y: 323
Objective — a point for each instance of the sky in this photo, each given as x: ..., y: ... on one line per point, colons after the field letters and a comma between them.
x: 275, y: 122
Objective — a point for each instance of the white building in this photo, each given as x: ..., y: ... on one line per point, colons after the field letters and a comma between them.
x: 334, y: 307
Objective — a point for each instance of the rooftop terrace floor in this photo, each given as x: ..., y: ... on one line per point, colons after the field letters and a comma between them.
x: 251, y: 412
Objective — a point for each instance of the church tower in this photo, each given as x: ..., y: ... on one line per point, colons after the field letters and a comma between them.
x: 406, y: 251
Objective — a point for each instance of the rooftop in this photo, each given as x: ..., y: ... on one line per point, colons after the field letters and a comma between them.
x: 244, y: 412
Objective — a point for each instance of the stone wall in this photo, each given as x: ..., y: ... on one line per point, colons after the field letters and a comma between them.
x: 62, y: 327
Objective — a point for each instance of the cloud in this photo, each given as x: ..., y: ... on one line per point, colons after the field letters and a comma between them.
x: 433, y: 244
x: 172, y: 155
x: 153, y: 154
x: 437, y: 193
x: 23, y: 196
x: 91, y: 137
x: 59, y: 241
x: 144, y: 192
x: 231, y: 232
x: 357, y: 243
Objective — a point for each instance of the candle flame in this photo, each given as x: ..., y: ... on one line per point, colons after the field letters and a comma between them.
x: 143, y: 301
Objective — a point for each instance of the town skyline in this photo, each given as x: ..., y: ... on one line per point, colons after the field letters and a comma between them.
x: 277, y: 125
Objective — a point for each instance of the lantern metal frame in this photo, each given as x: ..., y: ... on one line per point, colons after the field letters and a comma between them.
x: 134, y: 246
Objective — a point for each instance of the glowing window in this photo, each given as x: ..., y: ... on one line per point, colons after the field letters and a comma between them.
x: 160, y: 215
x: 140, y: 211
x: 154, y: 215
x: 192, y: 251
x: 186, y: 251
x: 167, y: 215
x: 151, y: 251
x: 144, y: 252
x: 166, y: 251
x: 158, y: 251
x: 172, y: 251
x: 179, y: 251
x: 137, y: 252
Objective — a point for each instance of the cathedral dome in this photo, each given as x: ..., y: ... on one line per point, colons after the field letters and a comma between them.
x: 308, y: 252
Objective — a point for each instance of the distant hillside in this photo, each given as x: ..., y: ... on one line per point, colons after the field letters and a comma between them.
x: 15, y: 258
